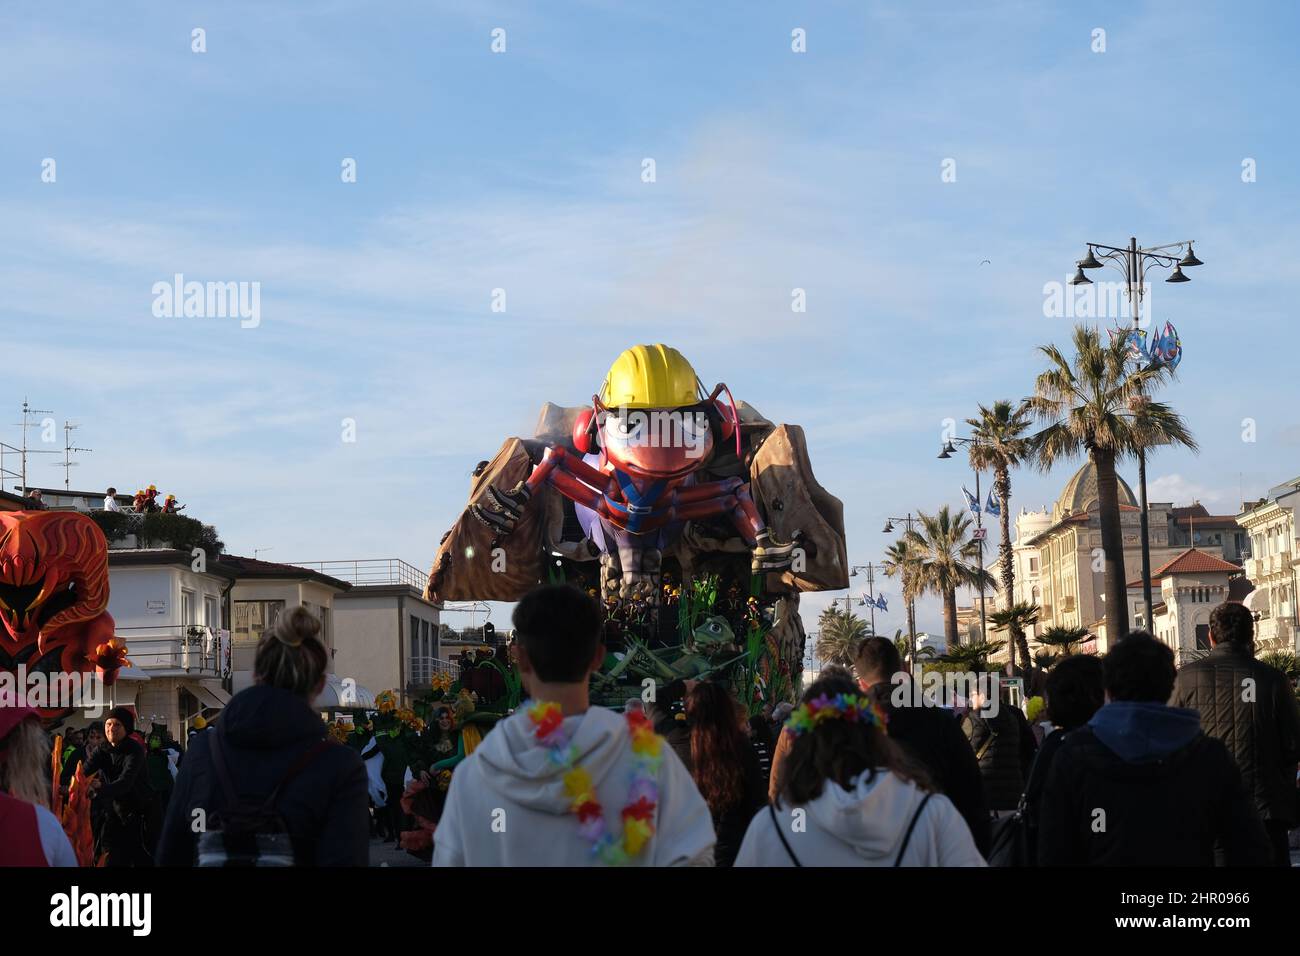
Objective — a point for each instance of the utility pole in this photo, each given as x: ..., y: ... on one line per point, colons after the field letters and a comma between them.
x: 24, y: 451
x: 68, y: 451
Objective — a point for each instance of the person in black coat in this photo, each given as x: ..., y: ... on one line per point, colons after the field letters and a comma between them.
x: 1252, y: 709
x: 265, y: 732
x: 1004, y: 745
x: 931, y: 735
x: 1141, y: 784
x: 1075, y: 690
x: 121, y: 799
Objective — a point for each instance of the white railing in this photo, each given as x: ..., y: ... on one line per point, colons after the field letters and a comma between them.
x: 369, y: 572
x: 193, y: 648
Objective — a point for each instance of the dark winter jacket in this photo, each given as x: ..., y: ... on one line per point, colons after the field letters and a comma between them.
x: 1004, y: 747
x: 933, y: 737
x: 676, y: 732
x: 264, y: 730
x: 1251, y: 708
x: 731, y: 824
x: 125, y: 778
x: 1141, y: 785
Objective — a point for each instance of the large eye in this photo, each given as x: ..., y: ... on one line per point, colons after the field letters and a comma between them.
x: 629, y: 429
x: 694, y: 425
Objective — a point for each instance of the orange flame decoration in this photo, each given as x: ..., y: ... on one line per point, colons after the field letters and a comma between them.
x: 54, y: 596
x: 75, y: 814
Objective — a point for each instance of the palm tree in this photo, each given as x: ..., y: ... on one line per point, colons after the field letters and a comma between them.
x: 999, y: 445
x: 900, y: 563
x: 1063, y: 637
x: 1016, y: 619
x: 840, y: 633
x: 945, y: 559
x: 974, y: 657
x: 1088, y: 405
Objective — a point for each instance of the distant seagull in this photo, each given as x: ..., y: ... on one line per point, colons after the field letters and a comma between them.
x: 986, y: 262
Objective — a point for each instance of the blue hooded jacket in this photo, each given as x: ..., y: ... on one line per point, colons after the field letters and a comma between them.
x: 1144, y: 732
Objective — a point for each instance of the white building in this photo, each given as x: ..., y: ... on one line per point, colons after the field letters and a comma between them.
x: 262, y: 591
x: 174, y: 621
x: 1273, y: 565
x: 385, y: 632
x: 1184, y: 592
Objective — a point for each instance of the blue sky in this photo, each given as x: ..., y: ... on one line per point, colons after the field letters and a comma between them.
x: 522, y: 171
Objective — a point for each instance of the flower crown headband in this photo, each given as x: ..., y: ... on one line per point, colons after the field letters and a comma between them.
x: 853, y: 708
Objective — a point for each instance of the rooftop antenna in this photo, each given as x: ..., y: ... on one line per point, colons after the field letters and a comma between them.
x: 69, y: 450
x: 257, y: 551
x: 24, y: 451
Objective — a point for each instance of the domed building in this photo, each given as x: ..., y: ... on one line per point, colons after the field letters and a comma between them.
x: 1057, y: 552
x: 1080, y: 494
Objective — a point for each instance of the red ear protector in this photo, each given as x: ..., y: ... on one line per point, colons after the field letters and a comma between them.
x: 586, y: 425
x: 727, y: 419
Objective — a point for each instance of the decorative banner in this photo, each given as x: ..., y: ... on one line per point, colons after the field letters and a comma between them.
x: 971, y: 501
x: 991, y: 506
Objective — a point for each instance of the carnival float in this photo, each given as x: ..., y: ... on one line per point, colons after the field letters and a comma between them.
x: 696, y: 521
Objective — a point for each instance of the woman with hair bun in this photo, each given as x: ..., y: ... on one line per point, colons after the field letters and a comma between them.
x: 269, y: 748
x: 848, y: 796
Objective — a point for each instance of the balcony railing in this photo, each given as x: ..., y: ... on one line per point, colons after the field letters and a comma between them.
x: 424, y: 669
x: 370, y: 572
x: 190, y: 648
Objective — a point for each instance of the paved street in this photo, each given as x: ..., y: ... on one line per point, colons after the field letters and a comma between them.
x: 388, y: 854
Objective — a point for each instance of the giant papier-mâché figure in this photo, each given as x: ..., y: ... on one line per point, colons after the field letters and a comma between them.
x: 649, y: 430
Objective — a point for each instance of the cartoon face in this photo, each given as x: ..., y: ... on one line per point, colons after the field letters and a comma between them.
x: 53, y: 590
x: 658, y: 442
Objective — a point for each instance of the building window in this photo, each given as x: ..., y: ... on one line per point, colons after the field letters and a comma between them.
x: 188, y: 608
x: 421, y: 663
x: 210, y: 617
x: 1202, y: 637
x: 1033, y: 565
x: 253, y: 619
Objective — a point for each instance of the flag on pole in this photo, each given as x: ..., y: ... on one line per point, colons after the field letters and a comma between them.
x: 971, y: 501
x: 991, y: 506
x: 880, y: 602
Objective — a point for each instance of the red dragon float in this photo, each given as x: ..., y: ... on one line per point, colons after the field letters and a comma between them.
x: 54, y: 616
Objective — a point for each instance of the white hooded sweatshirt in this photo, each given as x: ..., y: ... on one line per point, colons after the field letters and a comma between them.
x: 862, y: 826
x: 507, y: 805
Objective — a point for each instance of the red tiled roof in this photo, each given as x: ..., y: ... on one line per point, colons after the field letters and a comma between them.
x: 1191, y: 561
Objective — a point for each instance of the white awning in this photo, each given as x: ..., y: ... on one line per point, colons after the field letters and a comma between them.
x: 209, y: 697
x: 340, y: 693
x: 133, y: 673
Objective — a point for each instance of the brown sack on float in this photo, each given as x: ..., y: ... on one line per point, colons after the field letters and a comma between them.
x: 790, y: 500
x: 456, y: 577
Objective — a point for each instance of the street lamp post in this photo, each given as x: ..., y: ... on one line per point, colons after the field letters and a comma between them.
x: 907, y: 520
x: 871, y: 588
x: 947, y: 452
x: 1134, y: 263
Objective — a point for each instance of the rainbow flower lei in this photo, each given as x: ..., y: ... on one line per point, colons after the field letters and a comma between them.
x: 854, y: 708
x: 637, y: 816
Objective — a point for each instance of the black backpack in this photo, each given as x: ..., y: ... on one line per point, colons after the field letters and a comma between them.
x: 248, y: 832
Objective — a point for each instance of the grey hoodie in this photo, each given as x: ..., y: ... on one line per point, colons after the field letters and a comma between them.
x: 507, y: 805
x: 862, y: 826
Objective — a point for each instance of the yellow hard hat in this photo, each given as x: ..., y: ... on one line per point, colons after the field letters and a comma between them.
x: 649, y: 376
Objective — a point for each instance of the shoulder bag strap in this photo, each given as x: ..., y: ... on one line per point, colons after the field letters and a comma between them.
x: 780, y: 832
x: 907, y: 837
